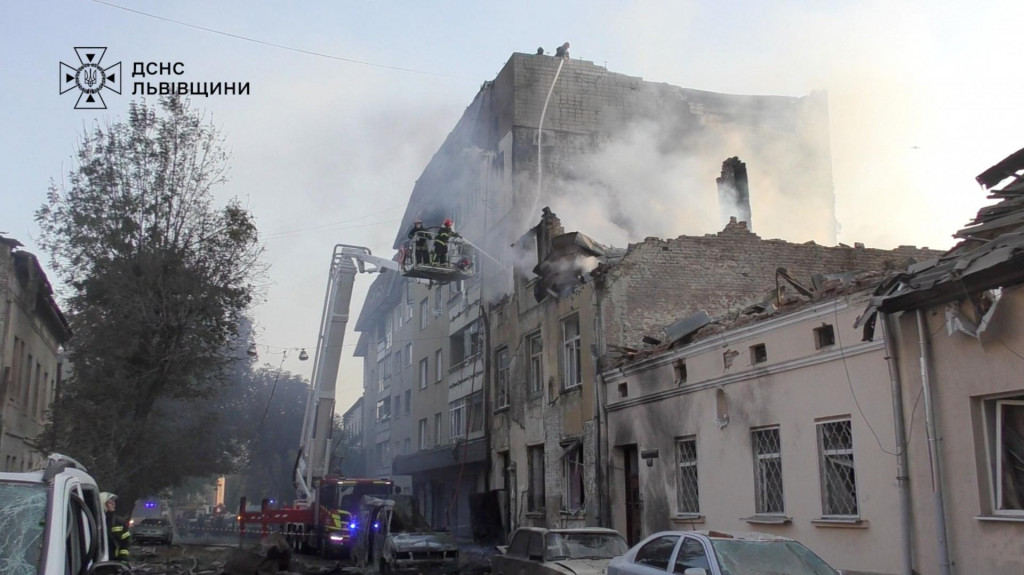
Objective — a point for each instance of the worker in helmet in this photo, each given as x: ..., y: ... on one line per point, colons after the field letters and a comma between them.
x: 444, y: 235
x: 118, y: 535
x: 418, y: 234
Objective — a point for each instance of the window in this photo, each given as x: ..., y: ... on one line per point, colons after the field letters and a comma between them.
x: 383, y: 374
x: 758, y: 354
x: 691, y: 556
x: 408, y: 354
x: 408, y: 310
x: 657, y: 553
x: 824, y: 336
x: 535, y: 465
x: 424, y: 370
x: 1006, y: 436
x: 384, y: 409
x: 437, y: 429
x: 475, y: 401
x: 456, y: 412
x: 438, y: 366
x: 572, y: 478
x: 767, y: 471
x: 518, y: 547
x: 397, y: 403
x: 536, y: 375
x: 424, y: 312
x: 465, y: 343
x: 571, y: 360
x: 838, y: 480
x: 398, y: 362
x: 687, y: 494
x: 381, y: 453
x: 501, y: 362
x: 679, y: 368
x: 408, y: 401
x: 424, y: 439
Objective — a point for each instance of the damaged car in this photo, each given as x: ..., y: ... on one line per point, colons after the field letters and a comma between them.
x: 538, y: 551
x: 392, y: 537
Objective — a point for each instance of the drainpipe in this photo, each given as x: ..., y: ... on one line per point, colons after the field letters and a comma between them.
x: 902, y: 476
x: 602, y: 466
x: 934, y: 453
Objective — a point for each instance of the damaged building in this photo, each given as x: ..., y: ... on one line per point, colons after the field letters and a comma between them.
x: 428, y: 350
x: 565, y: 451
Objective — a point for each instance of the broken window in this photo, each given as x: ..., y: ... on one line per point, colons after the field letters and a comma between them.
x: 384, y: 409
x: 536, y: 349
x: 502, y: 362
x: 768, y: 496
x: 465, y: 344
x: 22, y: 522
x: 758, y: 354
x: 1008, y: 451
x: 535, y: 465
x: 838, y: 480
x: 572, y: 478
x: 571, y: 357
x: 824, y: 336
x: 687, y: 494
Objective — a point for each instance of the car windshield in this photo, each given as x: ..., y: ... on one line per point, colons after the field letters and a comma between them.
x: 744, y: 557
x: 22, y: 518
x: 584, y: 546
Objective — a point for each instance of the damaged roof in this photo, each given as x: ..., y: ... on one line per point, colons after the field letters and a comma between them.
x: 989, y: 255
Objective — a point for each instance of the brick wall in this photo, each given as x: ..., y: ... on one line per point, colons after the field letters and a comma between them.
x: 659, y: 281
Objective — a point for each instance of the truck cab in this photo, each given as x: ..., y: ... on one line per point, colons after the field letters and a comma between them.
x: 52, y: 522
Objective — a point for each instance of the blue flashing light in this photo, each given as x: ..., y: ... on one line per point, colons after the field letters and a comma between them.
x: 150, y: 505
x: 352, y: 526
x: 376, y: 525
x: 272, y: 501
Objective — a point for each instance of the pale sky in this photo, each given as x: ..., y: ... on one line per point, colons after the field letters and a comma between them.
x: 923, y: 97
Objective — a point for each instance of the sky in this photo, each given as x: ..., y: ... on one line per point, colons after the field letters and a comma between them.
x: 349, y: 100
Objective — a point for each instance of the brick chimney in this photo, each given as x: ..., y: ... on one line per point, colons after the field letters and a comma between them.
x: 734, y: 192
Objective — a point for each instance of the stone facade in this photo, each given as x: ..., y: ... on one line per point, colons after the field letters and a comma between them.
x: 32, y: 329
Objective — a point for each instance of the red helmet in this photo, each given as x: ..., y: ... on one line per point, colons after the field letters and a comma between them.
x: 448, y: 222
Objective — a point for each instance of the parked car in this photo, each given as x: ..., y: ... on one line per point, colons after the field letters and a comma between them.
x: 153, y: 529
x: 537, y: 551
x: 52, y: 523
x: 392, y: 537
x: 719, y: 553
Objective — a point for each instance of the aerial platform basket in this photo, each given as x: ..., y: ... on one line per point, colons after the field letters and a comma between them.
x: 461, y: 264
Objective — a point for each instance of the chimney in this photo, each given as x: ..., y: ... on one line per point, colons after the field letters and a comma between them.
x: 734, y: 192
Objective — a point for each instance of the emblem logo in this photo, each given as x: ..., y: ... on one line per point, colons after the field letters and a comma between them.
x: 90, y: 77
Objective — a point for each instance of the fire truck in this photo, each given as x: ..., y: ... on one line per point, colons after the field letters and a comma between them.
x: 323, y: 517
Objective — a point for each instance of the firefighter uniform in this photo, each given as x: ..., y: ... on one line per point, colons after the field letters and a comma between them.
x: 441, y: 243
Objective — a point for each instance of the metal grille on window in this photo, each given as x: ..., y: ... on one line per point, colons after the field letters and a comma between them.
x: 687, y: 495
x: 838, y: 480
x: 768, y: 471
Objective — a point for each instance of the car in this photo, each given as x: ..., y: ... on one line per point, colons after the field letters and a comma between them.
x: 392, y: 537
x: 153, y: 529
x: 539, y: 551
x: 718, y: 553
x: 52, y: 523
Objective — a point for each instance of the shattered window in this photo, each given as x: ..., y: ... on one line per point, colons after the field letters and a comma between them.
x: 767, y: 471
x: 1010, y: 455
x: 838, y: 480
x: 746, y: 557
x: 22, y: 519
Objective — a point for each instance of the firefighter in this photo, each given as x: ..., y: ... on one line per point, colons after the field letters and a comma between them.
x: 419, y: 236
x: 562, y: 51
x: 118, y: 535
x: 441, y: 242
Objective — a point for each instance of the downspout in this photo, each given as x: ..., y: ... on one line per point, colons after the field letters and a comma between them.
x: 603, y: 463
x: 934, y: 453
x: 902, y: 476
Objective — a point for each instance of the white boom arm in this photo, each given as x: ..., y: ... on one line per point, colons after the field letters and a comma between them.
x: 315, y: 445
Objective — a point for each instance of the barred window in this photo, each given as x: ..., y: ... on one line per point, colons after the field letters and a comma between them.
x: 768, y: 495
x: 687, y: 495
x: 838, y: 480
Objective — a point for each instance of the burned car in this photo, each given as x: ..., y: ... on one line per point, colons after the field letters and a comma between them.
x: 393, y: 537
x: 538, y: 551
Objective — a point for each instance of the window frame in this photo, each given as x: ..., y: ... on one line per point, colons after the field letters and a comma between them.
x: 503, y: 372
x: 536, y: 373
x: 828, y: 509
x: 994, y: 432
x: 761, y: 461
x: 572, y: 356
x: 535, y: 488
x: 424, y: 436
x: 574, y: 480
x: 457, y: 413
x: 424, y: 372
x: 683, y: 465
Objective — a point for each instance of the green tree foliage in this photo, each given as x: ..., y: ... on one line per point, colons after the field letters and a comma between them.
x: 158, y: 279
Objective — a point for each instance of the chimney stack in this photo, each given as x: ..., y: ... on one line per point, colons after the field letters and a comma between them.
x: 734, y: 192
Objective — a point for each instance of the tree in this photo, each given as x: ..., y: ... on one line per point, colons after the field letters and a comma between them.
x: 158, y: 280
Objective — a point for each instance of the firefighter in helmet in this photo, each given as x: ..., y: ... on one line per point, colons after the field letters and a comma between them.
x: 444, y: 235
x: 118, y: 535
x: 418, y: 235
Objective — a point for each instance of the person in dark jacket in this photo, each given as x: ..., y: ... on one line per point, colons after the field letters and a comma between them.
x: 119, y: 537
x: 562, y: 51
x: 444, y: 235
x: 418, y: 234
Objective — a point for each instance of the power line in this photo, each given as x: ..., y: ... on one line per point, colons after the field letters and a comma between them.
x: 279, y: 46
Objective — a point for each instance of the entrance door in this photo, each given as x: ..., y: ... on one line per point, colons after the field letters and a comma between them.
x: 631, y: 478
